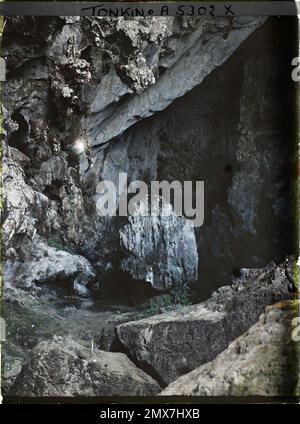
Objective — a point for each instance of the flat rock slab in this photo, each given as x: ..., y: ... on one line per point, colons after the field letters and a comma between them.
x: 173, y: 343
x: 261, y: 362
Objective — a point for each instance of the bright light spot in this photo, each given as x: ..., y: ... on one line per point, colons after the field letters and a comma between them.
x: 79, y: 146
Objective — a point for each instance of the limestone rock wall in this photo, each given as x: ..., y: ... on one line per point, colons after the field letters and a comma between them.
x: 157, y: 98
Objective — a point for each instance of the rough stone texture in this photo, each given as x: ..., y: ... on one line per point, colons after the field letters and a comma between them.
x: 248, y: 200
x: 30, y: 319
x: 261, y: 362
x: 106, y: 338
x: 50, y: 265
x: 160, y: 249
x: 73, y: 77
x: 61, y: 367
x: 23, y: 205
x: 194, y: 65
x: 214, y: 114
x: 10, y: 373
x: 174, y: 343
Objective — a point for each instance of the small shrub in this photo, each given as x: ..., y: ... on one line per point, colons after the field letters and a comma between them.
x: 176, y: 298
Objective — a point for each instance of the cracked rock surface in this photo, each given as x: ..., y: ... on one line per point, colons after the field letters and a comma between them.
x: 61, y: 367
x: 160, y: 99
x: 261, y: 362
x: 160, y: 249
x: 174, y: 343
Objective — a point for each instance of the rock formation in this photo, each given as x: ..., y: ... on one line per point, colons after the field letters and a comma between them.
x: 50, y: 265
x: 174, y: 343
x: 77, y: 93
x: 186, y: 61
x: 61, y: 367
x: 160, y: 99
x: 160, y: 249
x: 261, y: 362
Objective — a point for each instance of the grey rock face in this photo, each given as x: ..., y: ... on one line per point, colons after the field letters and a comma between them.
x: 95, y: 80
x: 52, y: 170
x: 261, y: 362
x: 200, y: 56
x: 175, y: 343
x: 23, y: 205
x: 106, y: 336
x: 50, y: 265
x: 248, y: 202
x: 61, y: 367
x: 77, y: 93
x: 160, y: 249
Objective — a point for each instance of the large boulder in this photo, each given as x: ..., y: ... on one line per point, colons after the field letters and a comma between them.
x: 261, y: 362
x: 62, y: 367
x: 174, y: 343
x: 50, y: 265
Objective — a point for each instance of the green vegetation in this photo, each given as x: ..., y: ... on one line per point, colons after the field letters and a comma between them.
x: 177, y: 297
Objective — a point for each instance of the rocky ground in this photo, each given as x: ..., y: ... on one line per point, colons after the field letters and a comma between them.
x: 61, y: 367
x: 262, y: 362
x: 88, y: 353
x: 174, y: 343
x: 127, y: 305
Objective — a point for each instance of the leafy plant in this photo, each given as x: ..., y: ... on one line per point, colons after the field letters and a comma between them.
x: 181, y: 294
x: 177, y: 297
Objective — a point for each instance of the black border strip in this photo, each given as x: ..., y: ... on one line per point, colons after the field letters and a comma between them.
x: 113, y: 9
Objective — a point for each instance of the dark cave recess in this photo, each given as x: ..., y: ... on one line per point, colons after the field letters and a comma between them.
x: 235, y: 132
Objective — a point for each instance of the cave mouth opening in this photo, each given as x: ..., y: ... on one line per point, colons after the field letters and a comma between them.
x: 234, y: 132
x: 122, y: 289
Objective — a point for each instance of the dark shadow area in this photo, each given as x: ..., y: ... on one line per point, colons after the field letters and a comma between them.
x: 18, y: 138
